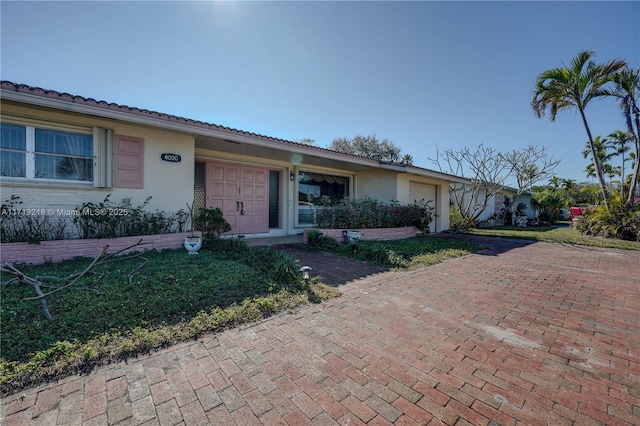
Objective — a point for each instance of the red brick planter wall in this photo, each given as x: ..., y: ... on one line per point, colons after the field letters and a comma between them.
x: 57, y: 251
x: 369, y: 234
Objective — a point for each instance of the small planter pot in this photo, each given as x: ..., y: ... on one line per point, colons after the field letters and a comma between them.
x: 521, y: 221
x: 192, y: 244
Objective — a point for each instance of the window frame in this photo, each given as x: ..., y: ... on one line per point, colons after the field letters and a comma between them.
x: 313, y: 208
x: 18, y: 151
x: 56, y: 155
x: 101, y: 149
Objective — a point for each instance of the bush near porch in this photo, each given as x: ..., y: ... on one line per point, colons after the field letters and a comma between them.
x: 105, y: 219
x: 351, y: 213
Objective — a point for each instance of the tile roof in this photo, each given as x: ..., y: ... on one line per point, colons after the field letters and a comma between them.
x: 81, y: 100
x: 111, y: 106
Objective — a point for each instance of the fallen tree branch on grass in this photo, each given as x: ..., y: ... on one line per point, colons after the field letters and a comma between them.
x: 72, y: 281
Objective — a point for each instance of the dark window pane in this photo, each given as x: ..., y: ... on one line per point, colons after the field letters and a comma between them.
x: 314, y: 186
x: 13, y: 163
x: 65, y: 143
x: 308, y: 194
x: 274, y: 199
x: 13, y: 137
x: 67, y: 168
x: 306, y: 215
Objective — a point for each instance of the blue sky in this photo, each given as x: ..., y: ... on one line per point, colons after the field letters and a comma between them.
x: 451, y: 74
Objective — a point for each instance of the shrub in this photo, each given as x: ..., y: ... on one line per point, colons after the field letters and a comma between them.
x: 109, y: 220
x: 457, y: 222
x: 320, y: 242
x: 621, y: 221
x: 548, y: 216
x: 520, y: 209
x: 277, y: 268
x: 548, y: 205
x: 351, y: 213
x: 312, y: 235
x: 90, y: 220
x: 379, y: 254
x: 19, y: 224
x: 212, y: 223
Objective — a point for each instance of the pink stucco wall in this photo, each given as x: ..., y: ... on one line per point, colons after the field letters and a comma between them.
x: 57, y: 251
x: 371, y: 234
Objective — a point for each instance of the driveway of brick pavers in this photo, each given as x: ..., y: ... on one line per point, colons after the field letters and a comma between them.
x: 537, y: 334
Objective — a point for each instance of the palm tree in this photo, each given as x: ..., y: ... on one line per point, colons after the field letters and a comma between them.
x: 628, y: 91
x: 629, y: 183
x: 618, y: 140
x: 568, y: 185
x: 407, y: 159
x: 554, y: 182
x: 574, y: 87
x: 611, y: 172
x: 601, y: 147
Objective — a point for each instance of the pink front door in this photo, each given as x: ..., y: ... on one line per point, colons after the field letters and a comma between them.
x: 241, y: 192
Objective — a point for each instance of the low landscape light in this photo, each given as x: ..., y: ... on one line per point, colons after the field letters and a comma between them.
x: 305, y: 272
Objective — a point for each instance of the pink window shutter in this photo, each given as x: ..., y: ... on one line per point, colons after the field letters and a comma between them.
x: 129, y: 159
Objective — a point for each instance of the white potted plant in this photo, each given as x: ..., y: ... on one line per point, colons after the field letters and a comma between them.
x: 192, y: 243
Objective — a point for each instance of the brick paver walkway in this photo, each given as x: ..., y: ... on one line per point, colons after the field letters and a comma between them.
x: 521, y: 334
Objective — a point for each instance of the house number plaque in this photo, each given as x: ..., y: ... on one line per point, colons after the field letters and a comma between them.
x: 172, y: 158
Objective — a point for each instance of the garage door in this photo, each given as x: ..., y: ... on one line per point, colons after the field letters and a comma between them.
x: 422, y: 191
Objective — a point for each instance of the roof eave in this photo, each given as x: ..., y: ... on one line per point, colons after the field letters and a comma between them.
x: 189, y: 128
x: 198, y: 128
x: 438, y: 175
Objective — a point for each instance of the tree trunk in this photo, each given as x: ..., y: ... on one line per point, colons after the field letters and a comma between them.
x: 596, y: 162
x: 636, y: 162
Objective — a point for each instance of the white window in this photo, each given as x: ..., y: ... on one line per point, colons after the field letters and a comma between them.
x: 48, y: 154
x: 312, y: 188
x: 13, y: 148
x: 63, y: 155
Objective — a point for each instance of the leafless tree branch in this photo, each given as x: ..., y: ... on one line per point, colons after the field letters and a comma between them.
x: 488, y: 169
x: 45, y: 282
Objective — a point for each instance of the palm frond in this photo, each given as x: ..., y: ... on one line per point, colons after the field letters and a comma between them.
x: 580, y: 60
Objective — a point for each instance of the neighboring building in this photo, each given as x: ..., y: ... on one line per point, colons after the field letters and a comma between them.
x: 59, y: 151
x: 495, y: 203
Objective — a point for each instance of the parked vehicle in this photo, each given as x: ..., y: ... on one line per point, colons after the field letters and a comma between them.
x: 580, y: 210
x: 576, y: 211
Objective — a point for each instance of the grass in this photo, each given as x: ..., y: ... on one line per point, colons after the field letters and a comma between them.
x: 554, y: 234
x: 174, y: 297
x: 416, y: 252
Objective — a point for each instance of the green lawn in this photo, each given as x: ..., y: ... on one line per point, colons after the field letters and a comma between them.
x: 173, y: 297
x: 563, y: 234
x: 415, y: 252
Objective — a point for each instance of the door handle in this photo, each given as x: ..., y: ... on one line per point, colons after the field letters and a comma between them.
x: 237, y: 205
